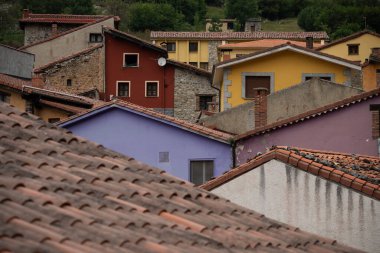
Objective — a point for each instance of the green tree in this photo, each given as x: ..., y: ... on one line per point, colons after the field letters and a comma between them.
x: 241, y: 10
x: 59, y: 6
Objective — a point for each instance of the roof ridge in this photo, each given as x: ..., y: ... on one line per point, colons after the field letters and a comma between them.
x: 311, y: 114
x: 84, y: 51
x: 349, y: 37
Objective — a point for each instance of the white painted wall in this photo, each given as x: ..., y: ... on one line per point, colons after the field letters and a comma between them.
x: 311, y: 203
x: 67, y: 44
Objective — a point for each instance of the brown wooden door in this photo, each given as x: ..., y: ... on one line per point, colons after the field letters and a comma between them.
x: 255, y: 84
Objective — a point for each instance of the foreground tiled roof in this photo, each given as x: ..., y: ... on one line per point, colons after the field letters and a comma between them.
x: 359, y: 172
x: 237, y: 35
x: 66, y: 58
x: 311, y: 114
x: 202, y: 130
x: 264, y: 44
x: 347, y: 38
x: 61, y: 193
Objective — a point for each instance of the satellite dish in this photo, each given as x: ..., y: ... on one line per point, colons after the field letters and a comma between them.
x: 161, y: 61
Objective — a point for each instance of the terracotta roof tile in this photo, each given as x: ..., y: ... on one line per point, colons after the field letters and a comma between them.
x: 264, y: 44
x: 13, y: 82
x: 237, y: 35
x: 62, y: 193
x: 347, y: 38
x: 311, y: 114
x: 361, y: 173
x: 225, y: 137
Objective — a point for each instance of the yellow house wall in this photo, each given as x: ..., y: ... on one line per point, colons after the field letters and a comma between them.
x: 15, y: 99
x: 369, y: 76
x: 366, y: 41
x: 234, y: 52
x: 48, y: 112
x: 287, y: 68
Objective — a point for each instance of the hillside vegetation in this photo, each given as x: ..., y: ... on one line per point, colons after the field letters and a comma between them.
x: 337, y: 17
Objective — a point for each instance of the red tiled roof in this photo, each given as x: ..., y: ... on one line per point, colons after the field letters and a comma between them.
x: 289, y: 46
x: 62, y: 18
x: 202, y: 130
x: 265, y: 44
x: 62, y: 193
x: 237, y: 35
x: 311, y: 114
x: 67, y: 108
x: 13, y: 82
x: 350, y: 37
x: 64, y: 33
x: 83, y: 52
x: 361, y: 173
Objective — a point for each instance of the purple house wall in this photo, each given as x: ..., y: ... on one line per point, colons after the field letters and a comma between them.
x: 143, y: 137
x: 347, y: 129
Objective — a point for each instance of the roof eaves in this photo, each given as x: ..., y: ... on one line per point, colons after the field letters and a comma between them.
x: 347, y: 38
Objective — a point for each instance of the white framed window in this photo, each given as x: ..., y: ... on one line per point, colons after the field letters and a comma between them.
x: 130, y: 60
x: 152, y: 89
x: 123, y: 88
x: 96, y: 37
x: 201, y: 171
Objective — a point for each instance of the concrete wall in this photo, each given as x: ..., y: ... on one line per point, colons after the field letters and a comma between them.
x: 143, y: 139
x: 347, y: 130
x: 311, y: 203
x: 67, y: 44
x: 85, y: 72
x: 187, y: 85
x: 15, y: 62
x: 283, y: 104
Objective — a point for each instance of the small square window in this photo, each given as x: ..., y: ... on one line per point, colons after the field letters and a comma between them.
x: 123, y: 89
x: 170, y: 46
x: 5, y: 97
x: 151, y: 89
x: 53, y: 120
x: 131, y: 60
x: 353, y: 49
x: 163, y: 157
x: 193, y: 46
x: 230, y: 25
x: 69, y: 82
x: 203, y: 102
x: 204, y: 65
x: 96, y: 37
x: 201, y: 171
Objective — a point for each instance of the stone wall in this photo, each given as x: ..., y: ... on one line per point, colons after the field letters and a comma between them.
x: 213, y: 53
x: 187, y: 87
x: 84, y: 70
x: 39, y: 32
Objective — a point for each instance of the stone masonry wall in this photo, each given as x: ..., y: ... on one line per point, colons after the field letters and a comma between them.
x: 186, y: 88
x: 85, y: 72
x: 35, y: 33
x: 213, y: 53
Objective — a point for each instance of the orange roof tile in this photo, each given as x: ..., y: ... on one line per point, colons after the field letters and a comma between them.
x: 359, y: 172
x: 62, y: 193
x: 264, y: 44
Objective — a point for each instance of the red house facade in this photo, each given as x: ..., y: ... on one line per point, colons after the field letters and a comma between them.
x: 136, y: 71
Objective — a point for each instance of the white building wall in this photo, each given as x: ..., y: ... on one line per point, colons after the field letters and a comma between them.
x: 311, y: 203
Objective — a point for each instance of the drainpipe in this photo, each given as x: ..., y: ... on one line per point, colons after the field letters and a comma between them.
x: 233, y: 147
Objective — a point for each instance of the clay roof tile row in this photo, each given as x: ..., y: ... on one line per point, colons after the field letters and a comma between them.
x: 61, y: 193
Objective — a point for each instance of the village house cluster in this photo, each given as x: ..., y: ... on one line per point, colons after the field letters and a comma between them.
x: 179, y: 144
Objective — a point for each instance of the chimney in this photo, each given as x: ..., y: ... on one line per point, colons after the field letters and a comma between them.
x: 54, y: 29
x: 37, y: 81
x: 260, y: 108
x: 309, y: 42
x: 25, y: 13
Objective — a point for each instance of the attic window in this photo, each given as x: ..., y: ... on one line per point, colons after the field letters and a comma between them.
x: 353, y: 49
x: 96, y: 37
x: 131, y: 60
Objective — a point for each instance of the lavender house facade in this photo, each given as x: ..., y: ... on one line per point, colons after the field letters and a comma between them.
x: 350, y: 125
x: 183, y: 149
